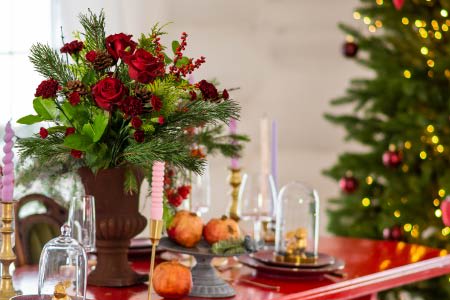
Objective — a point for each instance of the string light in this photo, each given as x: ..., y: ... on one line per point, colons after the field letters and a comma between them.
x: 407, y: 145
x: 405, y: 21
x: 423, y: 33
x: 415, y: 232
x: 372, y: 28
x: 405, y: 168
x: 407, y: 74
x: 445, y: 232
x: 438, y: 35
x: 366, y: 20
x: 404, y: 200
x: 444, y: 13
x: 430, y: 128
x: 441, y: 193
x: 438, y: 213
x: 436, y: 202
x: 397, y: 214
x: 444, y: 27
x: 430, y: 73
x: 356, y: 15
x: 430, y: 63
x: 423, y: 155
x: 379, y: 2
x: 369, y: 180
x: 435, y: 139
x: 420, y: 23
x: 435, y: 25
x: 424, y: 50
x: 365, y: 202
x: 447, y: 73
x: 440, y: 148
x: 407, y: 227
x: 379, y: 24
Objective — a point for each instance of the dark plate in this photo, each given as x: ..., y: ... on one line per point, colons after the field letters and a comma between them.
x: 276, y: 271
x: 266, y: 256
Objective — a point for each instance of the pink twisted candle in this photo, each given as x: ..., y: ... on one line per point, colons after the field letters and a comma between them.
x: 8, y: 165
x: 157, y: 190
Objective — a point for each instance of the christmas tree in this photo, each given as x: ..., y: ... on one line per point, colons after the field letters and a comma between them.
x: 394, y: 186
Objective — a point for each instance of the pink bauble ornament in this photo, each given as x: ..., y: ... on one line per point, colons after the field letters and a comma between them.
x: 348, y: 184
x: 392, y: 158
x: 445, y: 208
x: 398, y: 4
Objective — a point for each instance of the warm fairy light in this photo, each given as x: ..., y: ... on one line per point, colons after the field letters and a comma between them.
x: 407, y: 74
x: 349, y: 38
x: 405, y: 168
x: 379, y: 2
x: 423, y: 33
x: 366, y: 20
x: 445, y: 231
x: 441, y: 193
x: 423, y: 155
x: 404, y: 200
x: 430, y: 63
x: 443, y: 252
x: 440, y: 148
x: 438, y: 213
x: 438, y: 35
x: 407, y: 145
x: 435, y: 139
x: 356, y: 15
x: 430, y: 128
x: 372, y: 28
x: 447, y: 73
x: 415, y: 233
x: 407, y: 227
x: 435, y: 25
x: 365, y: 202
x: 405, y: 21
x: 424, y: 50
x: 418, y: 23
x: 378, y: 23
x: 444, y: 13
x: 397, y: 214
x: 436, y: 202
x: 430, y: 73
x: 444, y: 27
x: 369, y: 180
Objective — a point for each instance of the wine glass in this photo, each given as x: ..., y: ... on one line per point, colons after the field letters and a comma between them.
x: 82, y: 221
x: 257, y: 197
x: 200, y: 195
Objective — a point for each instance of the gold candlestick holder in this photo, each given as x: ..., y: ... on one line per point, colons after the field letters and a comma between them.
x: 234, y: 179
x: 7, y: 256
x: 156, y: 227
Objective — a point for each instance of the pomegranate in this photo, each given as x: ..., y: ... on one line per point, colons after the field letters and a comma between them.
x: 172, y: 280
x: 186, y: 229
x: 221, y: 229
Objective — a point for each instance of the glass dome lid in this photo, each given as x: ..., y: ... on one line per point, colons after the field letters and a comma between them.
x: 297, y: 224
x: 63, y: 268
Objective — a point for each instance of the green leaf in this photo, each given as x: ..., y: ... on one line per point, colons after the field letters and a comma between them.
x: 182, y: 62
x: 89, y: 78
x: 175, y: 45
x: 77, y: 141
x: 130, y: 184
x: 30, y: 119
x: 88, y: 130
x: 56, y: 129
x: 100, y: 123
x: 45, y: 108
x: 167, y: 60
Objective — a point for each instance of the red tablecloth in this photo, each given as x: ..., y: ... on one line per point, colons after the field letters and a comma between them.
x: 371, y: 266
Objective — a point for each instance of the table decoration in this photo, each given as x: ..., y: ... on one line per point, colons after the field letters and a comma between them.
x: 116, y: 105
x: 235, y: 180
x: 7, y: 255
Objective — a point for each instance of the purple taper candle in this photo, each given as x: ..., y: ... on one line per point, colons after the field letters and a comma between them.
x: 233, y: 130
x: 8, y: 165
x: 275, y: 153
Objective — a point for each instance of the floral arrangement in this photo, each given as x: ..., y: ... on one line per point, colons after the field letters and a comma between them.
x: 111, y: 101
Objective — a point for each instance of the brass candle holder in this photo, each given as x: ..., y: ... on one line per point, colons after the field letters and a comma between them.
x: 156, y: 227
x: 7, y: 256
x: 234, y: 179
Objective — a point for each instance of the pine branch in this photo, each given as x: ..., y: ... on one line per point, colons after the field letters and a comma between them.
x: 49, y: 64
x: 94, y: 30
x: 48, y: 151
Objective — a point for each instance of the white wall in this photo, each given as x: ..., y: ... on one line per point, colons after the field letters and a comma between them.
x: 285, y: 55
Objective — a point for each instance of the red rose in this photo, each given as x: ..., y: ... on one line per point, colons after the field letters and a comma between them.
x: 184, y: 191
x: 161, y: 120
x: 76, y: 153
x: 43, y: 132
x: 143, y: 66
x: 193, y: 95
x: 139, y: 136
x: 208, y: 90
x: 91, y: 55
x: 117, y: 43
x: 47, y: 89
x: 72, y: 48
x: 136, y: 122
x: 74, y: 98
x: 156, y: 103
x: 131, y: 106
x: 107, y: 92
x: 69, y: 131
x: 225, y: 94
x: 175, y: 199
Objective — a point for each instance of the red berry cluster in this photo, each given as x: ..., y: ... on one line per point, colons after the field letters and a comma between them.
x: 175, y: 195
x: 190, y: 66
x: 158, y: 47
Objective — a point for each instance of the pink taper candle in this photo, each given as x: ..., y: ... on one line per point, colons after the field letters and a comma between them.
x: 157, y: 190
x: 8, y: 165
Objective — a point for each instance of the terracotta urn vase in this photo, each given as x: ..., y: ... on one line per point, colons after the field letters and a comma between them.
x: 118, y: 220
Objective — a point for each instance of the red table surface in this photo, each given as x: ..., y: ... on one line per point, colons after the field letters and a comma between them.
x: 371, y: 266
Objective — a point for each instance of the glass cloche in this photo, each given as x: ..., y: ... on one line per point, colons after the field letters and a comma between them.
x: 297, y: 224
x: 63, y: 268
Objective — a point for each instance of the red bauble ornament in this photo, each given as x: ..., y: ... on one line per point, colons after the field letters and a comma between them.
x: 445, y: 207
x: 392, y: 158
x: 348, y: 184
x: 398, y: 4
x: 394, y: 233
x: 349, y: 49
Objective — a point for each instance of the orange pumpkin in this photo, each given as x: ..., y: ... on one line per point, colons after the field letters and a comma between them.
x: 221, y: 229
x: 172, y: 280
x: 186, y: 229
